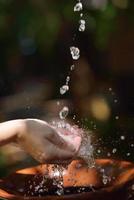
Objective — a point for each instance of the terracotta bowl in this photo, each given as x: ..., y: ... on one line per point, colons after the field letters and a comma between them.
x: 108, y: 180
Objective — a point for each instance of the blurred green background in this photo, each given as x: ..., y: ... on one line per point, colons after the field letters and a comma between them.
x: 35, y: 37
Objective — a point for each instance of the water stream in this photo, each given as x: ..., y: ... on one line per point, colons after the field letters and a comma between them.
x: 86, y: 149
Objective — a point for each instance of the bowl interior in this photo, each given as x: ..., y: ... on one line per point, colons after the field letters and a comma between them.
x: 40, y: 182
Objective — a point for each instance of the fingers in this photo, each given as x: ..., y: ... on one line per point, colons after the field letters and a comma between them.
x: 44, y: 151
x: 57, y: 155
x: 72, y: 140
x: 61, y: 143
x: 42, y: 129
x: 50, y: 153
x: 46, y: 131
x: 49, y: 145
x: 53, y: 136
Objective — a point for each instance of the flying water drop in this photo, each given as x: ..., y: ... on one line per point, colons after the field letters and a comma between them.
x: 75, y: 52
x: 116, y: 117
x: 128, y: 154
x: 108, y: 154
x: 98, y: 151
x: 64, y: 89
x: 132, y: 187
x: 78, y: 7
x: 58, y: 103
x: 86, y: 150
x: 72, y: 67
x: 114, y: 150
x: 67, y: 80
x: 122, y: 137
x: 64, y: 112
x: 105, y: 179
x: 82, y: 25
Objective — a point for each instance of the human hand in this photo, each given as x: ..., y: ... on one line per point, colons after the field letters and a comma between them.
x: 48, y: 144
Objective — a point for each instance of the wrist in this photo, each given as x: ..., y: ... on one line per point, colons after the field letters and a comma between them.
x: 11, y: 130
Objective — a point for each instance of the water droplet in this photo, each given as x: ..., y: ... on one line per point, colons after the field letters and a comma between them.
x: 110, y: 89
x: 108, y: 154
x: 78, y: 7
x: 94, y: 126
x: 31, y: 187
x: 74, y: 117
x: 64, y: 112
x: 122, y: 137
x: 28, y: 107
x: 81, y: 15
x: 116, y: 117
x: 104, y: 180
x: 67, y: 80
x: 58, y: 103
x: 114, y: 150
x: 102, y: 170
x: 99, y: 151
x: 59, y: 192
x: 21, y: 190
x: 75, y: 52
x: 132, y: 145
x: 72, y: 67
x: 132, y: 187
x: 115, y: 100
x: 82, y: 25
x: 128, y: 154
x: 86, y: 150
x: 64, y: 89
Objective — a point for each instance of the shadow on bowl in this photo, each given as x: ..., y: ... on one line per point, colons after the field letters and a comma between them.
x: 108, y: 180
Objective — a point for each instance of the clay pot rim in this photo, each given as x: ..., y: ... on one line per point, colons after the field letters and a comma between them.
x: 97, y: 161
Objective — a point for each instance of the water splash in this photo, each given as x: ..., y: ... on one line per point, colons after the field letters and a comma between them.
x: 57, y: 174
x: 75, y: 52
x: 86, y: 150
x: 36, y: 186
x: 105, y: 178
x: 42, y: 184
